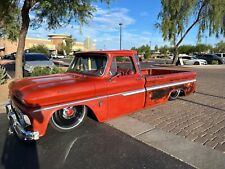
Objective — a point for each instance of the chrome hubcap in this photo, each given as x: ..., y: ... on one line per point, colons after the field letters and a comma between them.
x: 69, y: 112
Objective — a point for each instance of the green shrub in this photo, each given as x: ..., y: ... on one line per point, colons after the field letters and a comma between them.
x: 41, y: 71
x: 39, y: 49
x: 215, y: 62
x: 3, y: 75
x: 57, y: 70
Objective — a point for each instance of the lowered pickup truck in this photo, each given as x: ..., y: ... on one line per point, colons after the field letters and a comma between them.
x: 106, y: 83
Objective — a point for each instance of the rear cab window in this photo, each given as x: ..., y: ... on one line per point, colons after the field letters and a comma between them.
x: 122, y: 65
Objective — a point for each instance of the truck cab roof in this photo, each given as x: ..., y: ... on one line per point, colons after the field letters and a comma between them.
x: 114, y: 52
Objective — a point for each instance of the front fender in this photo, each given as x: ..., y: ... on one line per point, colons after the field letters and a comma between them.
x: 40, y: 119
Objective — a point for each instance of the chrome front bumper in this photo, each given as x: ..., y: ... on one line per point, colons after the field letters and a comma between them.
x: 19, y: 129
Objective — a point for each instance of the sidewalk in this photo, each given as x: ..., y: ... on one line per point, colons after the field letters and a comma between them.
x: 192, y: 153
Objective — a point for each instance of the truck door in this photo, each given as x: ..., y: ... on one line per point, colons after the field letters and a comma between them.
x: 125, y: 87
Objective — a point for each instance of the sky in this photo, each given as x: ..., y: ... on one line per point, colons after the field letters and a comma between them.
x: 138, y: 19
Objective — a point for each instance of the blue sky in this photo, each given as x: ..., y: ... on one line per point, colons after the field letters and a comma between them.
x: 138, y: 18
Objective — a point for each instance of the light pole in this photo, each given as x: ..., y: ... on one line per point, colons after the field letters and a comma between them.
x: 120, y: 24
x: 150, y: 44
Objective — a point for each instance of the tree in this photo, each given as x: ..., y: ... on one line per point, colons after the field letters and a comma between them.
x: 220, y: 47
x: 164, y: 50
x: 67, y: 45
x: 202, y: 48
x: 55, y: 13
x: 178, y: 17
x: 143, y: 50
x: 39, y: 49
x: 147, y: 51
x: 9, y: 20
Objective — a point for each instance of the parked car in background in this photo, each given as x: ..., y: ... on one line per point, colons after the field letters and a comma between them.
x: 221, y: 55
x: 58, y: 56
x: 192, y: 60
x: 11, y: 56
x: 210, y: 58
x: 32, y: 60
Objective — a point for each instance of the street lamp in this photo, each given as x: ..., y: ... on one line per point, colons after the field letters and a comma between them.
x: 120, y: 24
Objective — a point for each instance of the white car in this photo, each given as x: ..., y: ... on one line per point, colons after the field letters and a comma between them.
x: 58, y: 56
x: 192, y: 60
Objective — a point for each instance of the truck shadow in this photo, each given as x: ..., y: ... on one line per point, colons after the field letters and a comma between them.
x: 201, y: 104
x: 206, y: 94
x: 93, y: 145
x: 51, y: 151
x: 16, y: 153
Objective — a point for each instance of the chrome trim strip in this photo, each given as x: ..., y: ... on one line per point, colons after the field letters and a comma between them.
x: 133, y: 92
x: 117, y: 94
x: 70, y: 103
x: 91, y: 99
x: 169, y: 85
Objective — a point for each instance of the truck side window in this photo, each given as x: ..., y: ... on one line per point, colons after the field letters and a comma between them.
x: 137, y: 62
x: 122, y: 65
x: 113, y: 68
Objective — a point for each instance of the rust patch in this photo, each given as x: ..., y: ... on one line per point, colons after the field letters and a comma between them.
x: 160, y: 93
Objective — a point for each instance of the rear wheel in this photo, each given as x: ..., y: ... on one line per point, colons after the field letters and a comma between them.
x: 174, y: 94
x: 66, y: 119
x: 196, y: 63
x: 220, y: 62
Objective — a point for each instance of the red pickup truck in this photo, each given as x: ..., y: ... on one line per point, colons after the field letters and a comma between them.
x: 107, y: 83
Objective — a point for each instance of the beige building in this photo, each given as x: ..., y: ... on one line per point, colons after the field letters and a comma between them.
x: 53, y: 43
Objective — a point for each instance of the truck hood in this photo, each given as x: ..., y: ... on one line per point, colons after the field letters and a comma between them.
x: 50, y: 90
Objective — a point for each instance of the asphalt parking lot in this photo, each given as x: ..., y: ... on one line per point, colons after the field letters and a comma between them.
x: 199, y: 117
x: 94, y: 145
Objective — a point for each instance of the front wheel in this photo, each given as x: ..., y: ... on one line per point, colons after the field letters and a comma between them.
x: 66, y: 119
x: 196, y: 63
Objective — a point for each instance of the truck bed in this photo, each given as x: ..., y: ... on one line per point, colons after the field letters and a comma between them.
x: 154, y: 72
x: 160, y: 83
x: 162, y: 76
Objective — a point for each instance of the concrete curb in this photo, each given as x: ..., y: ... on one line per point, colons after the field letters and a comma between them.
x: 192, y: 153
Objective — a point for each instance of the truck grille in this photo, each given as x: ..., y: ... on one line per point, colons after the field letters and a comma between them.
x: 23, y: 119
x: 16, y: 109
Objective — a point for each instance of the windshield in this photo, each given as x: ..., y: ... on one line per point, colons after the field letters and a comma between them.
x: 35, y: 57
x: 88, y: 64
